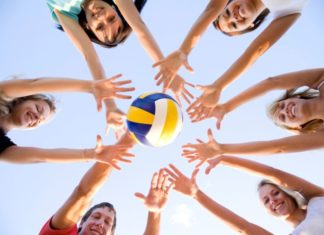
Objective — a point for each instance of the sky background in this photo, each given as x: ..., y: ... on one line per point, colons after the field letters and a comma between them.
x: 32, y: 47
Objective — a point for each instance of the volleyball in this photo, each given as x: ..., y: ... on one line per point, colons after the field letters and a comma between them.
x: 154, y: 119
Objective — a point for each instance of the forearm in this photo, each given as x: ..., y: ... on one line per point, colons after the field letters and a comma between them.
x: 25, y: 87
x: 94, y: 64
x: 211, y: 12
x: 231, y: 219
x: 25, y: 155
x: 249, y: 94
x: 153, y: 223
x: 290, y: 144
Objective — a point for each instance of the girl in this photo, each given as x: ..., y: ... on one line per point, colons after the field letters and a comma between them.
x: 233, y: 17
x: 23, y: 107
x: 107, y: 23
x: 301, y: 112
x: 286, y: 196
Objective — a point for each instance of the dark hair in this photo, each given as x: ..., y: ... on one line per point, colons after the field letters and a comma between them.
x: 308, y: 127
x: 256, y: 23
x: 122, y: 35
x: 100, y: 205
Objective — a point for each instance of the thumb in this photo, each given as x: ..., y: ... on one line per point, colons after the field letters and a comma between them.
x: 188, y: 67
x: 140, y: 196
x: 208, y: 169
x: 99, y: 142
x: 218, y: 123
x: 99, y: 104
x: 199, y: 87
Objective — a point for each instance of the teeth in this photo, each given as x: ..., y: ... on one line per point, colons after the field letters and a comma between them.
x: 293, y: 110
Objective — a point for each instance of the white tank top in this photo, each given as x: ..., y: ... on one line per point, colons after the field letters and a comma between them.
x: 280, y: 8
x: 313, y: 224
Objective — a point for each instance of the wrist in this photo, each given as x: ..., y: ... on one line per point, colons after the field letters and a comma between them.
x: 88, y: 154
x: 182, y: 54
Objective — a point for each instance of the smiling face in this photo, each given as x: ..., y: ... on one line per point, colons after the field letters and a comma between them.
x: 100, y: 222
x: 291, y: 113
x: 103, y: 20
x: 31, y: 113
x: 276, y: 202
x: 237, y: 16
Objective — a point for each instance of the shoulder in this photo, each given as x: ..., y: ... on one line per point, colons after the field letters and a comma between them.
x: 47, y: 229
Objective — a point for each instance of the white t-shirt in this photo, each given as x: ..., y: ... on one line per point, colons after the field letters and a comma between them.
x: 313, y: 224
x: 280, y: 8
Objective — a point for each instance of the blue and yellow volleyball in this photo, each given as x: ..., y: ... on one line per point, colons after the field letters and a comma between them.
x: 154, y: 119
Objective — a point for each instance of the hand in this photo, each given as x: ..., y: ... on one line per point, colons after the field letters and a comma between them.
x: 115, y: 119
x: 204, y: 104
x: 157, y: 196
x: 178, y: 88
x: 217, y: 112
x: 109, y: 89
x: 169, y: 67
x: 202, y: 151
x: 181, y: 183
x: 111, y: 154
x: 212, y: 163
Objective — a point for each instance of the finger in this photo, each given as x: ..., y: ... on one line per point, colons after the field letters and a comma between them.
x: 160, y: 179
x: 218, y: 124
x: 124, y: 160
x: 171, y: 186
x: 190, y: 84
x: 176, y: 170
x: 188, y: 93
x: 194, y: 105
x: 157, y: 63
x: 200, y: 163
x: 170, y: 173
x: 194, y: 174
x: 99, y: 142
x: 126, y: 97
x: 158, y: 77
x: 140, y: 196
x: 120, y: 83
x: 115, y: 77
x: 114, y: 165
x: 185, y: 98
x: 154, y: 180
x: 200, y: 141
x: 99, y: 104
x: 200, y: 87
x: 178, y: 100
x: 208, y: 169
x: 164, y: 182
x: 188, y: 67
x: 124, y: 89
x: 210, y: 135
x: 107, y: 129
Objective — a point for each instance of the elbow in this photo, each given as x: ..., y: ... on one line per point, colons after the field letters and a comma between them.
x: 258, y: 50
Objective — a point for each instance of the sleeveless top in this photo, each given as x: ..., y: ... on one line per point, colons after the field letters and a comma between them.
x: 281, y: 8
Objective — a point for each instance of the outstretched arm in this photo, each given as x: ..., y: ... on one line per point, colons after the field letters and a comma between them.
x: 189, y: 187
x: 79, y: 201
x: 109, y: 154
x: 172, y: 63
x: 285, y: 179
x: 310, y: 78
x: 155, y: 201
x: 211, y: 93
x: 203, y: 151
x: 81, y: 40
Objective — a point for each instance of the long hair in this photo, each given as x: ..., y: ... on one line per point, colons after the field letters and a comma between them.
x: 308, y: 127
x: 298, y: 198
x: 122, y: 35
x: 256, y: 23
x: 6, y: 106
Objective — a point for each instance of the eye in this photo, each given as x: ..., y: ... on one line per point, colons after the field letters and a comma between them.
x: 282, y: 117
x: 276, y: 193
x: 228, y: 13
x: 266, y: 201
x: 234, y: 25
x: 111, y: 19
x: 99, y: 27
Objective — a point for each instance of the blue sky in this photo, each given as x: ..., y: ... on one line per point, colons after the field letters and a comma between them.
x: 31, y: 46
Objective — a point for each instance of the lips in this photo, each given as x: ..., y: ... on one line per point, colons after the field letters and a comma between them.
x: 237, y: 13
x: 33, y: 119
x: 291, y: 110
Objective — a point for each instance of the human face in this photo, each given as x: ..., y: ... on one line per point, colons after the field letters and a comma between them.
x: 291, y: 113
x: 103, y: 20
x: 276, y: 202
x: 237, y: 16
x: 100, y: 222
x: 31, y: 113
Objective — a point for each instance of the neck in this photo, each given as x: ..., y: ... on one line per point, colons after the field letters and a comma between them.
x: 6, y: 123
x: 297, y: 217
x: 315, y: 108
x: 259, y: 6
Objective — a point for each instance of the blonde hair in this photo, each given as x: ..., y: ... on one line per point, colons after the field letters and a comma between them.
x: 6, y: 106
x: 308, y: 127
x: 299, y: 199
